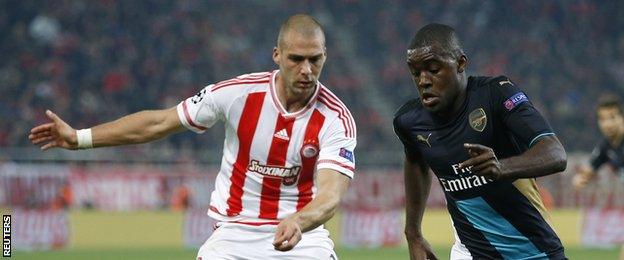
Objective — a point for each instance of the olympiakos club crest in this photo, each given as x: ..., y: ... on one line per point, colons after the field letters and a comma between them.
x: 310, y: 149
x: 477, y: 119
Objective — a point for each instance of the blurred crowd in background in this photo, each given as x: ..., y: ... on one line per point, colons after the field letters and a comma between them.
x: 94, y: 61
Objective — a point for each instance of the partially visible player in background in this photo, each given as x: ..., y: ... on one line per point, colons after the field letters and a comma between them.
x: 287, y: 157
x: 610, y: 151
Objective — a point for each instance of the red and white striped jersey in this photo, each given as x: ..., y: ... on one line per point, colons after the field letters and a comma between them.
x: 270, y: 156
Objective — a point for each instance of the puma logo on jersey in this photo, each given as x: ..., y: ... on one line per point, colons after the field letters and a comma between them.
x: 505, y: 82
x: 424, y: 140
x: 282, y: 134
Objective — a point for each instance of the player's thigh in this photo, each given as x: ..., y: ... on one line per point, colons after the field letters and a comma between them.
x: 215, y: 247
x: 231, y: 242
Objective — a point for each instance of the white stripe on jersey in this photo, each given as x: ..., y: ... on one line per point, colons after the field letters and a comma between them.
x: 227, y: 101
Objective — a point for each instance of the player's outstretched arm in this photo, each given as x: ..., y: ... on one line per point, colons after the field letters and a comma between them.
x: 584, y: 175
x: 331, y: 187
x: 140, y: 127
x: 417, y: 186
x: 545, y: 157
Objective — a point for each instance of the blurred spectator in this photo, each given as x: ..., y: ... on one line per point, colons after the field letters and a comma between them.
x: 64, y: 198
x: 44, y: 29
x: 180, y: 198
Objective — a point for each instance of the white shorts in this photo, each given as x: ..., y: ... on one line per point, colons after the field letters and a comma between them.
x: 460, y: 252
x: 232, y: 241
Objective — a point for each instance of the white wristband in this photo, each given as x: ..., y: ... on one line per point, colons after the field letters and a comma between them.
x: 85, y: 140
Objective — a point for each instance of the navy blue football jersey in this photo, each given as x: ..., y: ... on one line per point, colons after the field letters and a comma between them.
x: 493, y: 219
x: 607, y: 154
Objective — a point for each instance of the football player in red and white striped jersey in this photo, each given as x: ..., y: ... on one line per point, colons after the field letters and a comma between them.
x: 287, y: 158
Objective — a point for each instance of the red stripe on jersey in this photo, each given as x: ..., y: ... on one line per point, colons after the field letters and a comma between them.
x: 329, y: 105
x: 337, y: 163
x: 344, y: 112
x: 308, y: 164
x: 264, y: 78
x: 254, y: 75
x: 256, y: 223
x: 337, y: 100
x: 247, y: 77
x: 343, y: 108
x: 234, y: 83
x: 188, y: 117
x: 269, y: 198
x: 246, y: 130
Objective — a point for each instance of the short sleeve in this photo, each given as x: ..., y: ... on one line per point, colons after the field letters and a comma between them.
x: 200, y: 111
x: 598, y: 157
x: 337, y: 150
x: 403, y: 137
x: 517, y: 112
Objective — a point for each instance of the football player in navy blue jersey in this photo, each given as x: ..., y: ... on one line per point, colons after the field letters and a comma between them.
x: 610, y: 151
x: 485, y: 142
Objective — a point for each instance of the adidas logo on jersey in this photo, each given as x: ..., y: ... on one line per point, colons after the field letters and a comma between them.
x: 282, y: 134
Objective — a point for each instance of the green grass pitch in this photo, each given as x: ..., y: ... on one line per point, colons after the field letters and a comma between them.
x: 343, y: 253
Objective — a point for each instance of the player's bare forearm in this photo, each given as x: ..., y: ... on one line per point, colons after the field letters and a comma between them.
x: 545, y: 157
x: 331, y: 187
x: 140, y: 127
x: 417, y: 185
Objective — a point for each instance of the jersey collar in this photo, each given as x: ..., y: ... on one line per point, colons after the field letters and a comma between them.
x: 281, y: 108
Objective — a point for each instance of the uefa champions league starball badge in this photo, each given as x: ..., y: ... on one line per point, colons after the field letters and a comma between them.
x: 309, y: 149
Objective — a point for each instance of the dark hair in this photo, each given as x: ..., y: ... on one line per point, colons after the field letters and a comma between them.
x: 609, y: 101
x: 441, y: 35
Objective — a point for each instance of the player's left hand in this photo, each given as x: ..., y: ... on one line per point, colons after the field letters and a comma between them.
x: 288, y: 234
x: 483, y: 161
